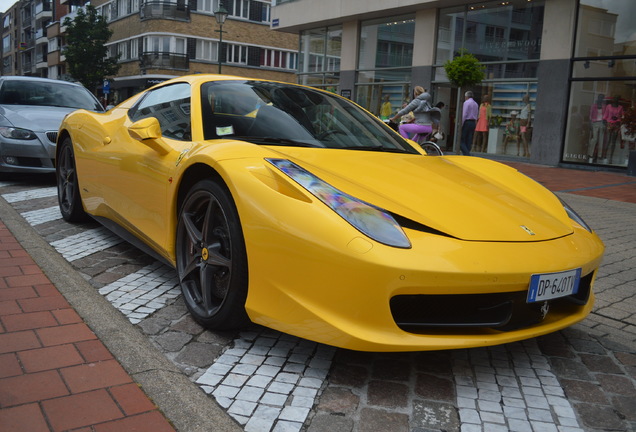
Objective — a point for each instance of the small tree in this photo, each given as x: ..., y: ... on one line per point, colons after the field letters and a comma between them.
x: 464, y: 70
x: 86, y: 52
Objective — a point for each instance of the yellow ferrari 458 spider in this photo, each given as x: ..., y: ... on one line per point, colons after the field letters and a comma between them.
x: 296, y: 209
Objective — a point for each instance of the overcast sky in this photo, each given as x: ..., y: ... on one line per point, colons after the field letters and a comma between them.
x: 624, y: 9
x: 6, y: 4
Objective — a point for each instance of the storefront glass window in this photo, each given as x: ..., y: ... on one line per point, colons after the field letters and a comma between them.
x: 386, y: 43
x: 319, y: 58
x: 493, y: 32
x: 506, y: 38
x: 601, y: 126
x: 384, y: 63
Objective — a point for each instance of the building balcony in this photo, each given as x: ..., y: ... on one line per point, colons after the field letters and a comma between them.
x: 165, y: 10
x: 27, y: 68
x: 157, y: 59
x: 43, y: 12
x: 53, y: 58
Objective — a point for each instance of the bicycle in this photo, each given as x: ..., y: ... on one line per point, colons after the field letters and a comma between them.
x: 431, y: 148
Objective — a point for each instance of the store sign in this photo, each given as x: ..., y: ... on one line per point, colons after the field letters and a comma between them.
x: 511, y: 45
x: 153, y: 81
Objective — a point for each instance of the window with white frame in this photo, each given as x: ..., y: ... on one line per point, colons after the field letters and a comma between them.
x: 53, y: 72
x: 208, y: 6
x: 54, y: 44
x: 112, y: 51
x: 128, y: 50
x: 134, y: 49
x: 266, y: 14
x: 279, y: 59
x: 127, y: 7
x: 123, y: 49
x: 207, y: 50
x: 236, y: 54
x: 166, y: 44
x: 6, y: 43
x: 240, y: 8
x: 104, y: 11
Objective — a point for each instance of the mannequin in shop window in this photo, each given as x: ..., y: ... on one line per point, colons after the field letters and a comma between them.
x: 480, y: 142
x: 597, y: 127
x: 512, y: 131
x: 525, y: 118
x: 612, y: 117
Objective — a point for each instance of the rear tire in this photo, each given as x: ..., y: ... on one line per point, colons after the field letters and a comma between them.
x: 68, y: 195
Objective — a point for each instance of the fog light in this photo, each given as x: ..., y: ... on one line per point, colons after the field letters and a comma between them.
x: 11, y: 160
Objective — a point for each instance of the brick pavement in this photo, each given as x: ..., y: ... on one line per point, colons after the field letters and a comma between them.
x: 55, y: 375
x: 592, y: 183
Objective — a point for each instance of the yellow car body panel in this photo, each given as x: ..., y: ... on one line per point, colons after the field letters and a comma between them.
x: 476, y: 226
x: 312, y: 276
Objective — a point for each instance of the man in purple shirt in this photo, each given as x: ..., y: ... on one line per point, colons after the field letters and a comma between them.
x: 470, y: 112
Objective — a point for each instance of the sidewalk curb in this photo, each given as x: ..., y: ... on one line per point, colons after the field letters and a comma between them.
x: 186, y: 406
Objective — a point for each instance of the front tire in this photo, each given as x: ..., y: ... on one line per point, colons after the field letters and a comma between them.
x: 68, y: 195
x: 211, y: 257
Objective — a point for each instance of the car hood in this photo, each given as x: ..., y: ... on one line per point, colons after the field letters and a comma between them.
x: 468, y: 198
x: 35, y: 118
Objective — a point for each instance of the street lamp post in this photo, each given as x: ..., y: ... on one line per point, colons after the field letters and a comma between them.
x: 220, y: 15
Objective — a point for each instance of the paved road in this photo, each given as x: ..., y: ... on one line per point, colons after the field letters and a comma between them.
x: 580, y: 379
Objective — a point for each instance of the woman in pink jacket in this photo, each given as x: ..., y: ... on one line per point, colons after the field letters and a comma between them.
x: 612, y: 116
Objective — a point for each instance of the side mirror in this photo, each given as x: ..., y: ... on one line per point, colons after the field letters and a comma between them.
x: 148, y: 131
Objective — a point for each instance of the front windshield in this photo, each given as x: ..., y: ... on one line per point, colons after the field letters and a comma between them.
x: 286, y: 114
x: 31, y: 92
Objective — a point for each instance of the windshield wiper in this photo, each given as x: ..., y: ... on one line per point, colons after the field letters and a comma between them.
x: 374, y: 148
x: 275, y: 141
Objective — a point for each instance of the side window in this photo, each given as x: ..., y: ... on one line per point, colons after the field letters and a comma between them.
x: 171, y: 106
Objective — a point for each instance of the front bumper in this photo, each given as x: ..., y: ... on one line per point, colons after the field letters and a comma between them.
x: 384, y: 299
x: 28, y: 156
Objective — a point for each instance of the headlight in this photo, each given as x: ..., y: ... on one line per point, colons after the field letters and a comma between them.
x: 17, y: 133
x: 574, y: 216
x: 366, y: 218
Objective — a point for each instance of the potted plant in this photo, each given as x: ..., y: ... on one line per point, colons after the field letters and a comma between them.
x: 463, y: 71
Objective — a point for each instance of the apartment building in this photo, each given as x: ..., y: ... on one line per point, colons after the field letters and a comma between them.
x: 159, y: 39
x: 154, y: 40
x: 24, y: 38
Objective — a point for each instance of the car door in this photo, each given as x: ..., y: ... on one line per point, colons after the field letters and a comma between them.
x: 136, y: 190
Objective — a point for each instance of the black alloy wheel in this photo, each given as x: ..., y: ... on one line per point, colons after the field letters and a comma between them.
x: 68, y: 195
x: 211, y: 257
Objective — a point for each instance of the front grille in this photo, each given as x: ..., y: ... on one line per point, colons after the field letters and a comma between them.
x: 52, y: 136
x: 500, y: 311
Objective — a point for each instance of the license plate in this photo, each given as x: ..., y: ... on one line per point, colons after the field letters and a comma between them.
x: 548, y: 286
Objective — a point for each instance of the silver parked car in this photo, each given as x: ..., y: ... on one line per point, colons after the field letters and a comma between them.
x: 31, y: 111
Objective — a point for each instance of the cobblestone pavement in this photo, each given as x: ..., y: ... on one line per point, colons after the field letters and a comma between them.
x: 579, y: 379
